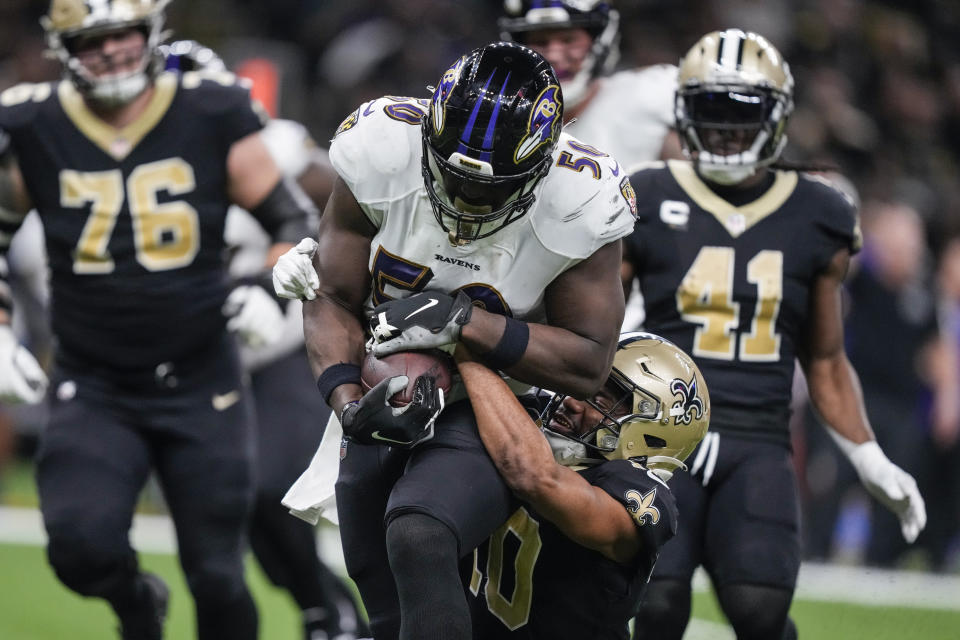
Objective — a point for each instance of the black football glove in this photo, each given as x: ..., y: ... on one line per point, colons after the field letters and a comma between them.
x: 372, y: 420
x: 423, y: 321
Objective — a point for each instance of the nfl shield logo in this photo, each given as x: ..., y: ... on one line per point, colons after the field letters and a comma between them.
x: 736, y: 224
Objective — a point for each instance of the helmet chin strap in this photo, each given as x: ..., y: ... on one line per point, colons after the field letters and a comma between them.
x: 654, y: 462
x: 567, y: 451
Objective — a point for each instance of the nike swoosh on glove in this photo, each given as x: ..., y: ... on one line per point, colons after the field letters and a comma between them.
x: 254, y: 316
x: 22, y: 381
x: 373, y: 420
x: 426, y: 320
x: 892, y: 486
x: 293, y: 275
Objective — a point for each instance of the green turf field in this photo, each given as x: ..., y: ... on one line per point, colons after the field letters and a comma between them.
x: 33, y: 606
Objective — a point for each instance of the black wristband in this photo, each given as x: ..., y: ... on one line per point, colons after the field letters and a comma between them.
x: 336, y: 375
x: 512, y: 345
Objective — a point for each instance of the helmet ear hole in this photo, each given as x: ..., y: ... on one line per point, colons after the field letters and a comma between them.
x: 654, y: 442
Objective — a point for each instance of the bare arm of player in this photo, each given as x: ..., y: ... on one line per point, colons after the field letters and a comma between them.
x: 317, y: 182
x: 573, y: 352
x: 333, y: 323
x: 584, y: 513
x: 256, y: 184
x: 21, y: 377
x: 836, y: 394
x: 627, y: 271
x: 13, y: 191
x: 14, y: 205
x: 251, y: 171
x: 834, y: 385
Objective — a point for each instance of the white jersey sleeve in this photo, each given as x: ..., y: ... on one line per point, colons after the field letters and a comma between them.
x: 377, y: 150
x: 587, y: 201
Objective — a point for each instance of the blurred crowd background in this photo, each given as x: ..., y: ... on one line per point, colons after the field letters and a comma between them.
x: 878, y: 105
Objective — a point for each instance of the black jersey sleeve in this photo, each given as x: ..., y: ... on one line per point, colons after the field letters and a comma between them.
x: 229, y: 106
x: 650, y: 502
x: 835, y: 214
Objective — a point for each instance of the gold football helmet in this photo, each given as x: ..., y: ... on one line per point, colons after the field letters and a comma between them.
x: 734, y: 97
x: 68, y: 20
x: 660, y: 412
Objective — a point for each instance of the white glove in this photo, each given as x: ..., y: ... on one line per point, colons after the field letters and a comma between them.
x: 294, y: 276
x: 21, y: 378
x: 892, y: 486
x: 254, y: 315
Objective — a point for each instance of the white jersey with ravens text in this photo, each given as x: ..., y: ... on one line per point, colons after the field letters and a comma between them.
x: 584, y: 202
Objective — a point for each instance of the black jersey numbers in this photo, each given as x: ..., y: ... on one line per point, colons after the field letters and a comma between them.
x: 166, y: 236
x: 705, y: 298
x: 513, y: 609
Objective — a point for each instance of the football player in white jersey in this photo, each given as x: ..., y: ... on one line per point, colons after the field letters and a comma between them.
x: 465, y: 217
x: 628, y: 114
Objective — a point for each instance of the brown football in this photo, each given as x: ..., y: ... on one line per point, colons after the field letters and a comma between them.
x: 407, y: 363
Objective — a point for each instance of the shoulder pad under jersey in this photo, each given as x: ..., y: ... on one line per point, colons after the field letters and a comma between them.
x: 19, y: 103
x: 221, y: 92
x: 835, y: 210
x: 585, y: 201
x: 377, y: 149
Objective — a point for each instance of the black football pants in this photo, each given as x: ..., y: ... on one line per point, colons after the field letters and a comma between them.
x: 106, y: 433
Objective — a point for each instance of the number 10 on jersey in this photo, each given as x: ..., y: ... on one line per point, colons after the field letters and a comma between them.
x: 705, y: 298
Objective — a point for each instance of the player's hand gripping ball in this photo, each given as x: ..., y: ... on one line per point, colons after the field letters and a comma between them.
x: 403, y: 395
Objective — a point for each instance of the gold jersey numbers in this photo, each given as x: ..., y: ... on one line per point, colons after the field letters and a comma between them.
x: 705, y: 298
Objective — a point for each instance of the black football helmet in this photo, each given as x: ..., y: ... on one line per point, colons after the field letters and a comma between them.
x: 494, y: 121
x: 597, y: 17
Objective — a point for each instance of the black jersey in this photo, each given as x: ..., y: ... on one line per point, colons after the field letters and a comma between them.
x: 730, y: 284
x: 133, y: 217
x: 530, y: 581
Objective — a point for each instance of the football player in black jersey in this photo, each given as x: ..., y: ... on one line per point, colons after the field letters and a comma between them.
x: 741, y: 265
x: 573, y: 561
x: 132, y: 170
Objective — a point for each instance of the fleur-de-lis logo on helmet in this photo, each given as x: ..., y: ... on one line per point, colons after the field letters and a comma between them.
x: 438, y: 105
x: 543, y: 125
x: 690, y: 405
